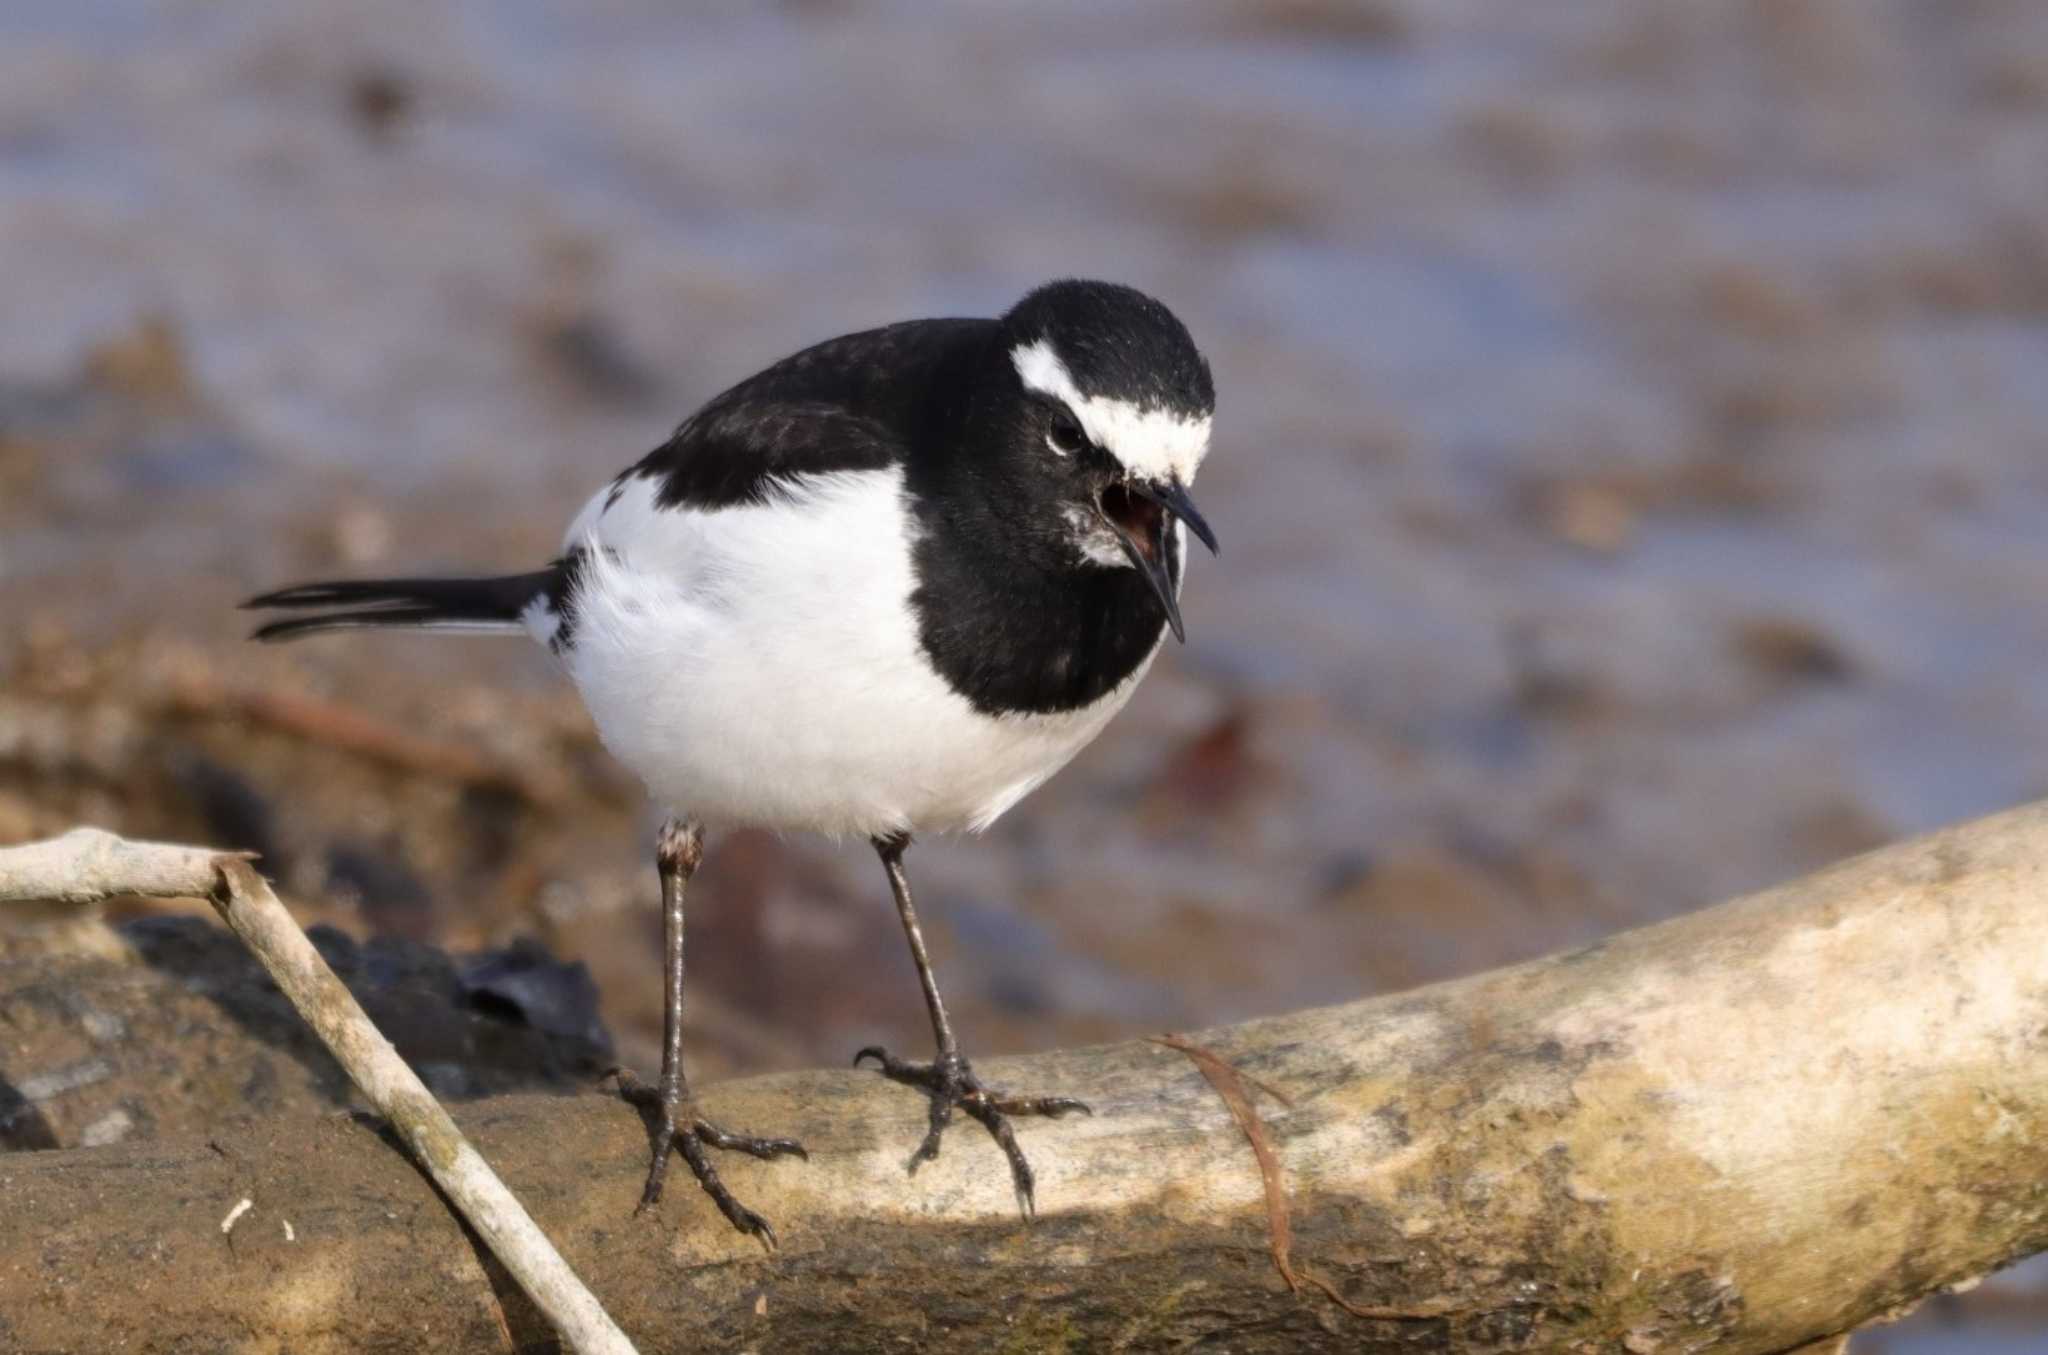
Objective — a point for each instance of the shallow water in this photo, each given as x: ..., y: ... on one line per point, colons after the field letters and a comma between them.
x: 1630, y: 456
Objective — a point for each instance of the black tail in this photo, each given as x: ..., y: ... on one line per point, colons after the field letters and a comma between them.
x: 447, y: 604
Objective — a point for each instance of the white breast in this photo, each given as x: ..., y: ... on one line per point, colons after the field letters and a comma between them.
x: 760, y: 666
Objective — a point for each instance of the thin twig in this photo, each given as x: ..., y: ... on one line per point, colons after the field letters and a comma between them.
x: 88, y: 864
x: 1229, y: 1084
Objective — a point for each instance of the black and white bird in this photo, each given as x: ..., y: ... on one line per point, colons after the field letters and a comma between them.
x: 888, y: 585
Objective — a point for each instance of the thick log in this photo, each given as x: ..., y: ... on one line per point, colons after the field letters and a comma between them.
x: 1744, y: 1130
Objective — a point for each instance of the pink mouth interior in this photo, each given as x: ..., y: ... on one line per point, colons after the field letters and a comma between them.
x: 1138, y: 516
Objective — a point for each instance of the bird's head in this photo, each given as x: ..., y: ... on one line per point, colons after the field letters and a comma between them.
x: 1111, y: 420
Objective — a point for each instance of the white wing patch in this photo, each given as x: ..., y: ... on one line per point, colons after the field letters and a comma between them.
x: 1157, y: 444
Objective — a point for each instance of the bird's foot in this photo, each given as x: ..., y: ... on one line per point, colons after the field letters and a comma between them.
x: 677, y: 1127
x: 950, y: 1082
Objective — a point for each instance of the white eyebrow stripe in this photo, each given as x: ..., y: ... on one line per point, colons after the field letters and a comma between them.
x: 1154, y: 443
x: 1041, y: 370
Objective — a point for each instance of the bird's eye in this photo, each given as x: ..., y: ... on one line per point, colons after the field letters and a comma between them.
x: 1065, y: 432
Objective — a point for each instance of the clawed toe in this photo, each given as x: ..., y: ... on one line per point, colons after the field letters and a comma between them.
x: 677, y: 1128
x: 765, y: 1149
x: 950, y: 1082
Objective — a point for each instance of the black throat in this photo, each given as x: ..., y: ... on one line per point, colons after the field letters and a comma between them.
x: 1022, y: 641
x: 1008, y: 614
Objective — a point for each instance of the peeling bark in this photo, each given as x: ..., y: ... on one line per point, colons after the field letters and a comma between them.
x: 1745, y: 1130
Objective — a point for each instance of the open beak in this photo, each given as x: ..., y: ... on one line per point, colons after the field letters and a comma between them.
x: 1141, y: 514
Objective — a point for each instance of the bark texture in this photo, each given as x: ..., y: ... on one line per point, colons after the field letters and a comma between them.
x: 1744, y: 1130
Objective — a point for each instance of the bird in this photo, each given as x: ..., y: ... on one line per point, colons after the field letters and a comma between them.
x: 885, y: 586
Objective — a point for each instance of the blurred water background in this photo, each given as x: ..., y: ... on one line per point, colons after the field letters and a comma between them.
x: 1631, y: 457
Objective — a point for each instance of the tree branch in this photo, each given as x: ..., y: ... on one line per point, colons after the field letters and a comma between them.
x: 1746, y: 1130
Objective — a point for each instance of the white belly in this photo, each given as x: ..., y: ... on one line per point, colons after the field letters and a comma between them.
x: 761, y: 667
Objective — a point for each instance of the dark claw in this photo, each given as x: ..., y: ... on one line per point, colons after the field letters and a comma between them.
x: 765, y: 1149
x: 941, y: 1116
x: 676, y: 1129
x: 737, y: 1214
x: 1050, y: 1106
x: 950, y: 1082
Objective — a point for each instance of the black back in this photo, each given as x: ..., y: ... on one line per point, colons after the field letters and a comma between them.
x: 844, y: 404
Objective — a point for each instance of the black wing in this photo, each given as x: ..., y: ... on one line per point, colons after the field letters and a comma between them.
x: 851, y: 403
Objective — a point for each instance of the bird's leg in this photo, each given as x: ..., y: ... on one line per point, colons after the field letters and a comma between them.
x: 947, y: 1079
x: 677, y: 853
